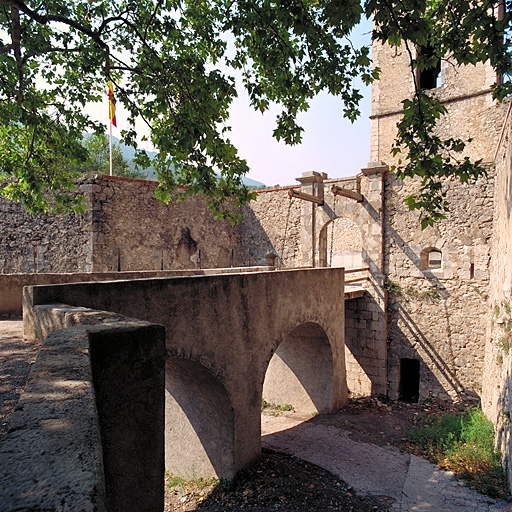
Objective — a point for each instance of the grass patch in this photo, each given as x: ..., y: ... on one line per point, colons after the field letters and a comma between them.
x: 464, y: 444
x: 275, y: 408
x: 199, y: 486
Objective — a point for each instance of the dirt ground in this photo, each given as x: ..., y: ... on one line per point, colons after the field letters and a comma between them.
x: 281, y: 482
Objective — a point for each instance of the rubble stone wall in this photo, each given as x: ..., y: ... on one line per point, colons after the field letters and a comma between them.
x: 45, y: 243
x: 472, y: 115
x: 497, y: 388
x: 437, y: 311
x: 270, y: 230
x: 134, y: 231
x: 124, y: 229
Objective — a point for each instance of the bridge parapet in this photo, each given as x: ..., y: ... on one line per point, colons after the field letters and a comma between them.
x: 221, y: 333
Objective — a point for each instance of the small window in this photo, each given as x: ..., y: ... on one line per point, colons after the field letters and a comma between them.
x: 434, y: 259
x: 430, y: 77
x: 431, y: 258
x: 271, y: 260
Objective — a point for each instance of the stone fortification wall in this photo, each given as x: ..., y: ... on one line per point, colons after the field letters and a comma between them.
x: 270, y: 231
x: 45, y: 243
x: 134, y: 231
x: 11, y: 285
x: 497, y: 388
x: 124, y: 229
x: 472, y: 114
x: 438, y: 286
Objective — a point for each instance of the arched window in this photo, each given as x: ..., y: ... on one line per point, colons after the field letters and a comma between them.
x: 430, y: 76
x: 431, y: 258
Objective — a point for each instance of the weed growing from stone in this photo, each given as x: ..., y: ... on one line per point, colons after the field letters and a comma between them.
x: 197, y: 489
x: 464, y: 444
x: 275, y: 408
x: 504, y: 323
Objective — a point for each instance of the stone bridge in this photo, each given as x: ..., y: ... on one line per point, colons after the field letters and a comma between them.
x: 230, y: 340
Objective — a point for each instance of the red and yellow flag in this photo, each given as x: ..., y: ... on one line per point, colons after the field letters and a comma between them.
x: 111, y: 104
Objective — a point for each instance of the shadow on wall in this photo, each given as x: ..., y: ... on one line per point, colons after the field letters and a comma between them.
x: 408, y: 342
x: 202, y: 414
x: 365, y: 350
x: 503, y: 427
x: 340, y: 244
x: 301, y: 372
x: 257, y: 248
x: 407, y: 335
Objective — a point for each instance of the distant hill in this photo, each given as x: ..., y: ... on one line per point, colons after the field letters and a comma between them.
x: 129, y: 153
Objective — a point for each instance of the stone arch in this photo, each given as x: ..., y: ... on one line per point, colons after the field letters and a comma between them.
x: 345, y: 238
x: 301, y: 371
x: 199, y: 419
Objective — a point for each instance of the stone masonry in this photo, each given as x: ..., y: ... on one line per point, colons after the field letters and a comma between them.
x: 436, y: 317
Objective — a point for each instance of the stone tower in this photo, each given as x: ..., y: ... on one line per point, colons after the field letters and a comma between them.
x: 437, y: 279
x: 472, y: 113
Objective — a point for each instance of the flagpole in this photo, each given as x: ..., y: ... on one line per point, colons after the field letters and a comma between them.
x: 112, y: 117
x: 110, y: 148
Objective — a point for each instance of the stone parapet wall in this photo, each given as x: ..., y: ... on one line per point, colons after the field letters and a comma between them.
x: 437, y: 312
x: 134, y: 231
x: 67, y: 446
x: 124, y: 229
x: 11, y: 285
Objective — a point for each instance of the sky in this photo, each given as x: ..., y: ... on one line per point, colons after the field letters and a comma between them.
x: 331, y: 143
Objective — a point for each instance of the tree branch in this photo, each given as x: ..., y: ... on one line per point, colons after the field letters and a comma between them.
x: 16, y: 45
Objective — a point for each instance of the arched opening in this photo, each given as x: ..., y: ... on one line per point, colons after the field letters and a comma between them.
x: 340, y: 244
x: 199, y: 439
x: 301, y: 372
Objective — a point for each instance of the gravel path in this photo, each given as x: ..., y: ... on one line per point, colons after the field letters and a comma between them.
x: 16, y: 359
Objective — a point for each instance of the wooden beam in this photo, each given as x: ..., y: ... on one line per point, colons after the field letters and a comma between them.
x: 306, y: 197
x: 338, y: 191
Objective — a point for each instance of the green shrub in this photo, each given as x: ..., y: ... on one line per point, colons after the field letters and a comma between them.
x: 437, y: 435
x: 463, y: 444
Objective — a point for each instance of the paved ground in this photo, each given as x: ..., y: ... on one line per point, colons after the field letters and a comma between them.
x: 413, y: 484
x: 16, y: 359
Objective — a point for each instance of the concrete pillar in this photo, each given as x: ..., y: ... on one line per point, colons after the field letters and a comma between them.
x: 312, y: 183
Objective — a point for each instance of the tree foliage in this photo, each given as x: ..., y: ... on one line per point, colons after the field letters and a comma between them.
x: 173, y: 61
x: 98, y: 158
